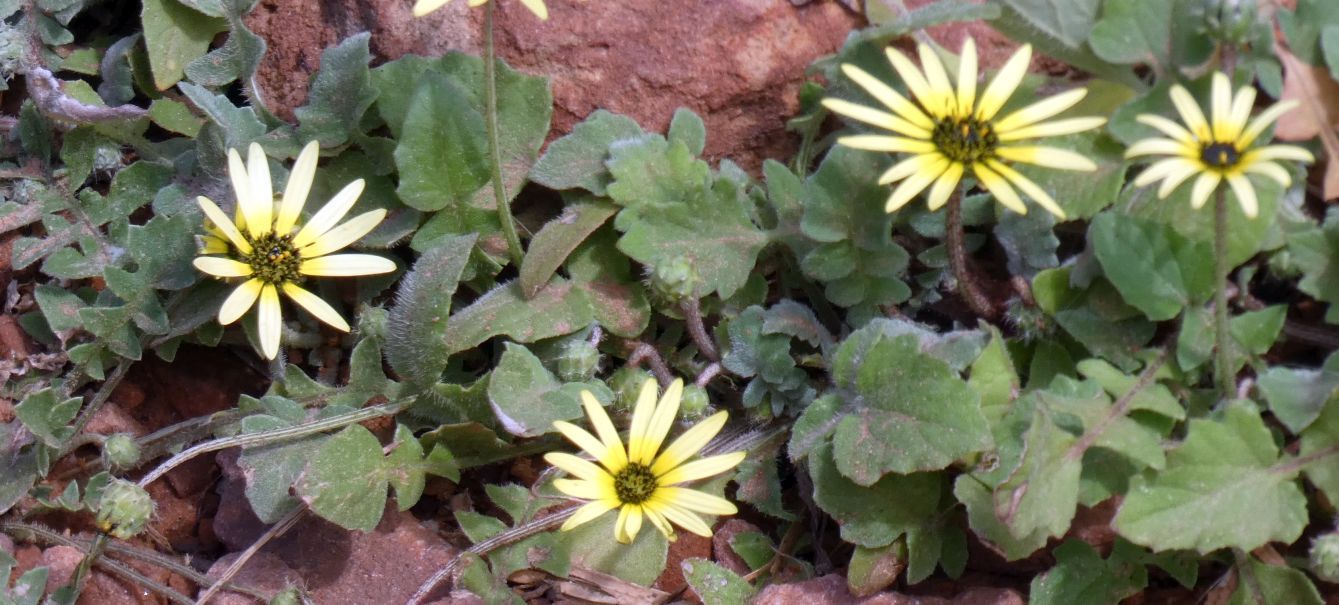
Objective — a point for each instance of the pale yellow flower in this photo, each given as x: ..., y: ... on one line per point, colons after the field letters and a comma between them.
x: 263, y: 247
x: 1217, y: 149
x: 423, y: 7
x: 636, y: 481
x: 948, y: 131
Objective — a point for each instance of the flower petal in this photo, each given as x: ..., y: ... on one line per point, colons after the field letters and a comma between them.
x: 1220, y: 105
x: 258, y: 205
x: 1052, y: 129
x: 241, y: 299
x: 938, y: 80
x: 908, y: 167
x: 423, y: 7
x: 1240, y: 114
x: 889, y: 97
x: 615, y: 457
x: 702, y: 468
x: 1277, y: 152
x: 875, y: 117
x: 1190, y: 112
x: 222, y: 267
x: 577, y: 467
x: 537, y: 7
x: 346, y: 265
x: 1029, y: 188
x: 879, y: 142
x: 622, y: 522
x: 1160, y: 146
x: 641, y: 421
x: 696, y: 501
x: 662, y: 421
x: 1271, y: 170
x: 967, y: 74
x: 224, y: 224
x: 1241, y: 186
x: 681, y: 517
x: 328, y: 215
x: 632, y: 524
x: 589, y: 512
x: 1050, y: 157
x: 586, y: 490
x: 587, y: 442
x: 999, y: 90
x: 241, y: 186
x: 269, y: 321
x: 1262, y: 121
x: 343, y: 235
x: 945, y: 185
x: 316, y: 306
x: 1183, y: 170
x: 915, y: 81
x: 1204, y: 187
x: 916, y: 183
x: 998, y: 187
x: 1169, y: 128
x: 1041, y: 110
x: 296, y: 189
x: 689, y: 443
x: 660, y: 522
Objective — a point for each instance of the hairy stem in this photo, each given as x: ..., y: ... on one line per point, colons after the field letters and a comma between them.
x: 692, y: 312
x: 104, y: 392
x: 1223, y: 374
x: 955, y: 239
x: 494, y: 148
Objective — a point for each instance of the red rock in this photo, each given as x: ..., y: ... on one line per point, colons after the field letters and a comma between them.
x: 100, y: 589
x: 1093, y: 525
x: 264, y: 572
x: 688, y: 546
x: 721, y: 549
x: 174, y: 518
x: 831, y: 590
x: 14, y: 342
x: 989, y: 596
x: 738, y: 63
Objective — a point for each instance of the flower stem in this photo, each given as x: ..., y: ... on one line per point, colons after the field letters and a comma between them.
x: 955, y: 239
x: 494, y: 148
x: 1223, y: 374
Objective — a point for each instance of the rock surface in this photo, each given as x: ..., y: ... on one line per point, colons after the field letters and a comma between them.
x: 738, y: 63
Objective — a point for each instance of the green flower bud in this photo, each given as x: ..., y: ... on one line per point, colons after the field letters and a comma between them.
x: 577, y: 361
x: 675, y: 280
x: 1031, y: 322
x: 626, y: 384
x: 1325, y: 557
x: 287, y: 596
x: 121, y: 451
x: 695, y: 403
x: 124, y: 510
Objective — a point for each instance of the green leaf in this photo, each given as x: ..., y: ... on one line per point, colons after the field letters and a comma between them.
x: 59, y: 306
x: 1297, y: 396
x: 1305, y: 25
x: 1223, y: 487
x: 1316, y: 252
x: 576, y: 160
x: 674, y: 209
x: 1153, y: 267
x: 1081, y: 576
x: 593, y: 545
x: 175, y: 117
x: 442, y: 157
x: 270, y: 470
x: 994, y: 378
x: 1042, y: 492
x: 1320, y: 437
x: 344, y: 481
x: 1277, y: 584
x: 874, y: 569
x: 414, y: 344
x: 175, y: 35
x: 1083, y: 194
x: 46, y: 416
x: 1068, y: 22
x: 714, y: 584
x: 550, y: 248
x: 239, y: 125
x: 559, y: 309
x: 875, y: 515
x: 238, y: 58
x: 970, y: 491
x: 688, y: 128
x: 527, y: 398
x: 1329, y: 45
x: 905, y: 410
x: 340, y: 94
x: 1245, y: 236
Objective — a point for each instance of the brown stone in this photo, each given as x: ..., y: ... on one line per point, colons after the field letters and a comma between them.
x: 687, y: 546
x: 724, y: 552
x: 264, y: 572
x: 14, y: 342
x: 737, y: 63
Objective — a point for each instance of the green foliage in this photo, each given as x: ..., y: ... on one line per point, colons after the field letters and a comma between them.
x: 714, y: 584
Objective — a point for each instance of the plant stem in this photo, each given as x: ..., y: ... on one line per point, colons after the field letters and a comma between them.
x: 494, y: 148
x: 1223, y: 374
x: 955, y: 239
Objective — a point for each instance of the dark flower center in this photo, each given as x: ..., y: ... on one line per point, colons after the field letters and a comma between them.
x: 274, y: 259
x: 635, y: 484
x: 1220, y: 155
x: 965, y: 140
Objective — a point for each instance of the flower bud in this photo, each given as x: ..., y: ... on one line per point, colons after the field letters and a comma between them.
x: 626, y: 384
x: 695, y: 403
x: 577, y: 361
x: 121, y: 451
x: 675, y: 280
x: 1325, y: 557
x: 124, y: 510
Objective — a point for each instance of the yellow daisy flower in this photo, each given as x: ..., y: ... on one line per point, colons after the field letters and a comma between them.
x: 948, y: 131
x: 423, y: 7
x: 636, y: 481
x: 1218, y: 149
x: 262, y: 246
